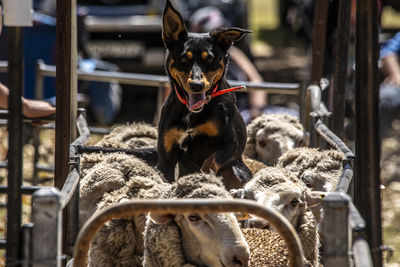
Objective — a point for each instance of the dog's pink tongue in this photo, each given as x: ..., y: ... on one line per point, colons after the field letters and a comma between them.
x: 196, y: 101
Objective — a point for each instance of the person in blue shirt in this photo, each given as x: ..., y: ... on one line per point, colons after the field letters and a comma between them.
x: 389, y: 93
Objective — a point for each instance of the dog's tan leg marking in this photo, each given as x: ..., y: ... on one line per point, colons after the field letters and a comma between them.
x: 171, y: 137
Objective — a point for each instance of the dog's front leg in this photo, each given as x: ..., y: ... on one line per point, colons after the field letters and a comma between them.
x: 168, y: 151
x: 166, y: 164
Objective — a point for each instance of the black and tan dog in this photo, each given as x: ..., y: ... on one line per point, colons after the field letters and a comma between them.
x: 200, y: 124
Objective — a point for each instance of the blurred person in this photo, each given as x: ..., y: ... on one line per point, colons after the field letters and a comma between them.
x: 30, y: 108
x: 103, y: 100
x: 389, y: 92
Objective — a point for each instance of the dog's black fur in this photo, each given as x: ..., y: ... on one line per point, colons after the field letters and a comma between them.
x: 193, y: 133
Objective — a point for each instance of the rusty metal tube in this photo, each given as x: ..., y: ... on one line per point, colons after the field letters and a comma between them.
x: 132, y: 207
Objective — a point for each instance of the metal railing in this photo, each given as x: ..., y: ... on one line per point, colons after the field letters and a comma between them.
x: 343, y: 228
x: 47, y: 210
x: 158, y: 81
x: 132, y: 207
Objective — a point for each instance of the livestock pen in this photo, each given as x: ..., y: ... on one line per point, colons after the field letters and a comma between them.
x: 53, y: 233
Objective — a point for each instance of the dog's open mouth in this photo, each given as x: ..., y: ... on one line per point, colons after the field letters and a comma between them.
x: 196, y: 102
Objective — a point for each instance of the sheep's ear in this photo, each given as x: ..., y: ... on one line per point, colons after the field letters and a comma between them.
x: 173, y: 26
x: 161, y: 218
x: 225, y: 37
x: 314, y: 198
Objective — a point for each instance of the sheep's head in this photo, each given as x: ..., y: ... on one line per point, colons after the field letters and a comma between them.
x: 316, y: 182
x: 271, y: 135
x: 319, y: 170
x: 212, y: 239
x: 273, y: 188
x: 270, y: 146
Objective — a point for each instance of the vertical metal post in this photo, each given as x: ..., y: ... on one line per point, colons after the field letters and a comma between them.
x: 335, y: 229
x: 66, y: 85
x: 47, y: 217
x: 340, y: 75
x: 72, y: 213
x: 66, y: 92
x: 27, y: 244
x: 319, y: 40
x: 14, y: 204
x: 367, y: 170
x: 318, y: 54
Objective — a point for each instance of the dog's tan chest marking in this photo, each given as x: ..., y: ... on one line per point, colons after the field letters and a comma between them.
x: 209, y: 128
x: 171, y: 137
x: 180, y: 137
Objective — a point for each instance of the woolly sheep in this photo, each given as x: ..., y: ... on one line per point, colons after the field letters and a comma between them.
x: 112, y: 173
x: 279, y: 189
x: 267, y: 248
x: 170, y: 239
x: 271, y: 135
x: 130, y: 136
x: 320, y: 170
x: 135, y: 135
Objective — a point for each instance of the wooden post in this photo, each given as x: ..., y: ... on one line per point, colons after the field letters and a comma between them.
x: 66, y: 91
x: 367, y: 170
x: 318, y: 55
x: 340, y: 75
x: 14, y: 204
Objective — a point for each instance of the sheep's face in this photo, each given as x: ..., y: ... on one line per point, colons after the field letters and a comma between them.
x: 315, y: 181
x: 218, y: 236
x: 290, y: 201
x: 270, y: 146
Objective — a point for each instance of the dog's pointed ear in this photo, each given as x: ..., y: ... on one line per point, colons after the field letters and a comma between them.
x: 173, y: 26
x: 225, y: 37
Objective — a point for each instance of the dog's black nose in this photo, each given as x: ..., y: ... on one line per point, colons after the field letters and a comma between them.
x: 196, y: 86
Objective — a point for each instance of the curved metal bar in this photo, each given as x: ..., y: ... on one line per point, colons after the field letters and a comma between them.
x: 332, y: 139
x: 84, y: 135
x: 317, y: 105
x: 69, y: 188
x: 345, y: 179
x: 129, y: 208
